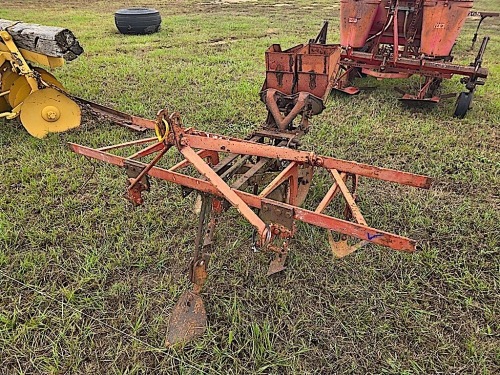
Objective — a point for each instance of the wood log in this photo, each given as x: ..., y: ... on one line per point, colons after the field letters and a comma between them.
x: 46, y: 40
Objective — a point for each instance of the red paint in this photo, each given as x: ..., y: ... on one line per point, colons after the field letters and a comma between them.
x: 356, y: 19
x: 441, y: 25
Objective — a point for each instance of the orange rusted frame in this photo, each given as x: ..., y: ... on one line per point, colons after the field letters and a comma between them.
x: 356, y: 213
x: 243, y: 199
x: 147, y: 151
x: 202, y: 154
x: 410, y: 65
x: 332, y: 193
x: 289, y: 173
x: 224, y: 189
x: 146, y: 169
x: 131, y: 143
x: 210, y: 142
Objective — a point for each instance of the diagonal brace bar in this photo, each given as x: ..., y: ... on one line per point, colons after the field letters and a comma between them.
x: 332, y: 193
x: 356, y: 213
x: 224, y: 189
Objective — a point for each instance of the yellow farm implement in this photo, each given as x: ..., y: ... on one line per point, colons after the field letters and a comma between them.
x: 32, y: 93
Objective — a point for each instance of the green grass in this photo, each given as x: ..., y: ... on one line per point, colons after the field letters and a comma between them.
x: 110, y: 274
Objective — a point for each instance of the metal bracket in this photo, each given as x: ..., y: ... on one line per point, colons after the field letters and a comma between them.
x: 275, y: 214
x: 198, y: 272
x: 133, y: 170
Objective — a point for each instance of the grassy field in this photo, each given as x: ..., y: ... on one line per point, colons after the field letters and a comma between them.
x: 87, y: 282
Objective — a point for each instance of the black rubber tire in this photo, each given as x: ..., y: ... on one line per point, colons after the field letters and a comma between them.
x: 463, y: 104
x: 137, y: 21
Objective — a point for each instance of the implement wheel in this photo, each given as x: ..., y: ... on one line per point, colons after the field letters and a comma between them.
x: 48, y: 111
x: 137, y: 21
x: 462, y: 105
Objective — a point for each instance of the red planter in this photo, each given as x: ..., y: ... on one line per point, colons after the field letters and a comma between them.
x: 356, y: 19
x: 441, y: 25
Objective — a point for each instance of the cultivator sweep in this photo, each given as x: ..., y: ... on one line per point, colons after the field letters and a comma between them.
x: 266, y: 176
x: 390, y: 39
x: 32, y: 93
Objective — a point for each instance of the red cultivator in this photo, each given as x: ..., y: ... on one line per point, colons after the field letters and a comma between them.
x: 401, y: 38
x: 265, y: 177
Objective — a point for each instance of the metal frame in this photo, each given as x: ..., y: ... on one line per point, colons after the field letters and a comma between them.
x: 196, y: 146
x: 389, y: 54
x: 9, y: 52
x: 265, y: 176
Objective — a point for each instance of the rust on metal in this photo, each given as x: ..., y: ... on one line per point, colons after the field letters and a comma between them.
x: 307, y: 216
x: 390, y: 39
x: 120, y: 118
x: 265, y: 177
x: 188, y: 320
x: 353, y: 207
x: 277, y: 264
x: 220, y: 144
x: 271, y: 214
x: 341, y: 249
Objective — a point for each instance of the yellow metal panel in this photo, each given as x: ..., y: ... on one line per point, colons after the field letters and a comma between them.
x: 52, y: 62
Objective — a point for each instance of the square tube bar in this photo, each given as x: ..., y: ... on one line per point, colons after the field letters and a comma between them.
x: 324, y: 221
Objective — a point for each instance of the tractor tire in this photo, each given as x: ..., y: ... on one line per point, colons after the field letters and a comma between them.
x: 463, y: 104
x: 137, y: 21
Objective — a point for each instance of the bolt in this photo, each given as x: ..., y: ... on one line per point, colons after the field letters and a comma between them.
x: 278, y: 211
x: 51, y: 115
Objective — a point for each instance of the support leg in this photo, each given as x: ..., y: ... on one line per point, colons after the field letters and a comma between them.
x: 342, y: 248
x: 278, y: 262
x: 189, y: 318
